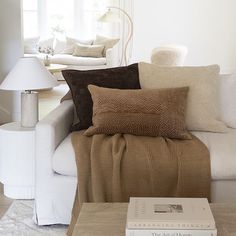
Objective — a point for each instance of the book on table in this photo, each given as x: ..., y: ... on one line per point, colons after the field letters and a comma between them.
x: 170, y: 217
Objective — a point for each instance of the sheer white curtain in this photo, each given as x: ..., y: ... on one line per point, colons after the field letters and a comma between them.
x: 63, y: 17
x: 30, y: 19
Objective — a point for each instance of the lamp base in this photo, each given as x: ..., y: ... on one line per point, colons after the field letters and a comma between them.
x: 29, y: 109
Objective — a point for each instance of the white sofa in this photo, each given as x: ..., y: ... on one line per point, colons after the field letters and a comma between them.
x: 81, y: 63
x: 63, y: 49
x: 56, y: 169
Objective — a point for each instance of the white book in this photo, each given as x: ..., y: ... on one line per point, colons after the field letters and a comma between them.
x: 132, y: 232
x: 169, y: 213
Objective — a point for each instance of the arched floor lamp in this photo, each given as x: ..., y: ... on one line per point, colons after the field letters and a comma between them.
x: 110, y: 17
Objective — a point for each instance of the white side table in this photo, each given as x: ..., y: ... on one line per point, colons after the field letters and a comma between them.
x: 17, y: 160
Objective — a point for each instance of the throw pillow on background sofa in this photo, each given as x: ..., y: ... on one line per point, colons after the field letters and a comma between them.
x: 82, y: 50
x: 67, y: 46
x: 143, y: 112
x: 203, y: 108
x: 107, y: 42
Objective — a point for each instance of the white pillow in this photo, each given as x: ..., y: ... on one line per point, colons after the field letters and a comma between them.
x: 46, y: 45
x: 107, y: 42
x: 228, y: 99
x: 59, y: 46
x: 31, y: 45
x: 203, y: 104
x: 71, y: 42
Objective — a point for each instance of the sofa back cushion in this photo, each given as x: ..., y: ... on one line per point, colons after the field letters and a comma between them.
x: 143, y: 112
x: 69, y: 44
x: 106, y: 42
x: 203, y: 111
x: 46, y: 45
x: 120, y: 77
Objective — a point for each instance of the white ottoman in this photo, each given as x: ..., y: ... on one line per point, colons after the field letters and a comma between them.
x: 169, y: 55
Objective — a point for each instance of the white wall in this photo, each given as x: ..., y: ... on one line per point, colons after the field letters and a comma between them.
x: 10, y: 51
x: 206, y: 27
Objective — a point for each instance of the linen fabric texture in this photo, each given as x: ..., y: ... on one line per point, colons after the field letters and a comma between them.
x: 144, y: 112
x: 203, y: 104
x: 126, y: 77
x: 113, y: 168
x: 88, y: 50
x: 107, y: 42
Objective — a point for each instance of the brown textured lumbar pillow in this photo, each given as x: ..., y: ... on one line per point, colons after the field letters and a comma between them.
x: 145, y: 112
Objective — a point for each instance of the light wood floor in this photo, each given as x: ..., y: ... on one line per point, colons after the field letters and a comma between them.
x: 48, y: 100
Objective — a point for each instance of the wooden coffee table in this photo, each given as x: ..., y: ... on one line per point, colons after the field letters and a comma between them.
x: 109, y: 219
x: 56, y: 68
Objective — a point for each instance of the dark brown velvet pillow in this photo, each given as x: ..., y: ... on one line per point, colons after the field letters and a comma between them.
x: 120, y: 77
x: 144, y: 112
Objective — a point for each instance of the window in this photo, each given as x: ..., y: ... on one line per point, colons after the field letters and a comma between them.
x: 60, y: 17
x: 76, y: 18
x: 91, y: 11
x: 30, y: 19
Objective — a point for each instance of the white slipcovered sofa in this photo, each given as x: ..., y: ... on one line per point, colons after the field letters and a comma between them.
x: 81, y: 63
x: 56, y: 169
x: 61, y: 52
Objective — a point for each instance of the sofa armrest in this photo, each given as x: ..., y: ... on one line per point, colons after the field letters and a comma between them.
x: 111, y: 57
x: 50, y: 132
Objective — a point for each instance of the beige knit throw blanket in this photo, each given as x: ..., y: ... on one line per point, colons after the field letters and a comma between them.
x: 114, y: 168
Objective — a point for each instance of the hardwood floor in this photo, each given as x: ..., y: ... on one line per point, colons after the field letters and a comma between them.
x: 48, y: 100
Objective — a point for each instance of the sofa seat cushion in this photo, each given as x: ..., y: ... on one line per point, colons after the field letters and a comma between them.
x: 66, y: 59
x: 222, y: 147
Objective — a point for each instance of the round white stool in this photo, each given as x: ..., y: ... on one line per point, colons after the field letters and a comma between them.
x: 169, y: 55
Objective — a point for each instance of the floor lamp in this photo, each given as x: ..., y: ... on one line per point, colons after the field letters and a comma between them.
x: 110, y: 17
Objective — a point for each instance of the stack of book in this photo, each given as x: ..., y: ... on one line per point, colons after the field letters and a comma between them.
x: 170, y: 217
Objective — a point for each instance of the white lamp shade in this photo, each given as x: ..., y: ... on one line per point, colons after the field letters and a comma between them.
x: 28, y: 74
x: 109, y: 17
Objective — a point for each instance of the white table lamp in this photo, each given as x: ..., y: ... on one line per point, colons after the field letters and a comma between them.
x: 29, y: 74
x: 111, y: 16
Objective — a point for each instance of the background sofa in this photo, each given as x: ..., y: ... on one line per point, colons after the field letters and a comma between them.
x: 61, y: 52
x: 56, y: 169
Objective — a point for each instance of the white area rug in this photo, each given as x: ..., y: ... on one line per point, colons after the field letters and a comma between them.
x: 18, y: 222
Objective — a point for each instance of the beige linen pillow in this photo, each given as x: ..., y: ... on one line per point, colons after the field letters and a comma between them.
x: 144, y: 112
x: 71, y: 42
x: 203, y: 111
x: 107, y: 42
x: 88, y: 50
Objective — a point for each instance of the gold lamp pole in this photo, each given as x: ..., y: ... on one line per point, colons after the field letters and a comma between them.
x: 109, y: 16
